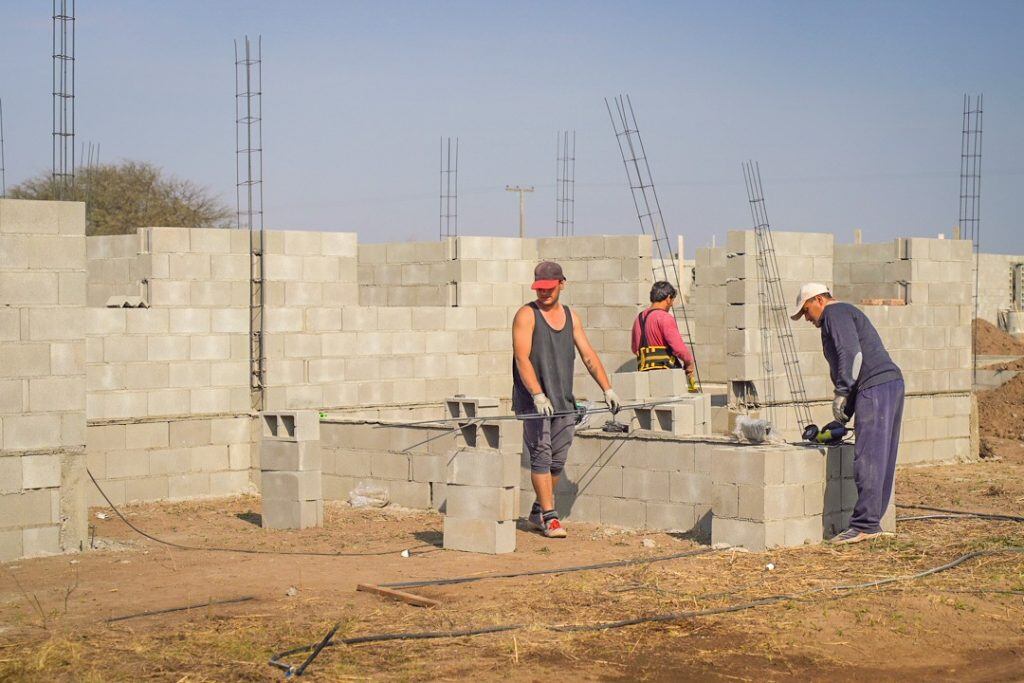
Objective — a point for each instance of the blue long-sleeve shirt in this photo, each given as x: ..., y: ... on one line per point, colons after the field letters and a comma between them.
x: 856, y: 357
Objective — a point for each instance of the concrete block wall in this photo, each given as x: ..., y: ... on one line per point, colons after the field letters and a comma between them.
x: 995, y: 285
x: 174, y: 458
x: 608, y: 282
x: 114, y: 267
x: 709, y: 303
x: 42, y: 377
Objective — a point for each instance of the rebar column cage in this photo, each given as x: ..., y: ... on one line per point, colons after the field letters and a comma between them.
x: 62, y: 174
x: 3, y: 165
x: 970, y: 196
x: 565, y: 184
x: 774, y: 310
x: 249, y: 197
x: 648, y: 209
x: 449, y: 221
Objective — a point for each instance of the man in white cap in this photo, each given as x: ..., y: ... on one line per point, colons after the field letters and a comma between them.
x: 868, y: 384
x: 545, y: 338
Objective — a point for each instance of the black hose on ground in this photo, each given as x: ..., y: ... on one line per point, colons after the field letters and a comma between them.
x: 252, y: 551
x: 557, y: 570
x: 840, y: 591
x: 963, y: 513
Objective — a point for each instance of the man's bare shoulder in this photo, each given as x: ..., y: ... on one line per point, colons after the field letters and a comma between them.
x: 524, y: 315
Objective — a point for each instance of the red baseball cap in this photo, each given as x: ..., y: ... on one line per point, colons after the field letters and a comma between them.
x: 547, y: 275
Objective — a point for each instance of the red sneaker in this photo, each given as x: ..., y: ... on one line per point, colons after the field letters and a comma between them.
x: 554, y: 529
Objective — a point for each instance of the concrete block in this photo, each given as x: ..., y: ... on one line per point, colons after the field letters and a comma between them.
x: 38, y: 541
x: 806, y: 530
x: 623, y: 512
x: 748, y: 465
x: 814, y: 498
x: 482, y: 502
x: 291, y: 514
x: 754, y: 536
x: 575, y: 508
x: 410, y: 494
x: 667, y: 383
x: 298, y: 425
x: 687, y: 487
x: 479, y: 536
x: 29, y: 508
x: 189, y: 433
x: 643, y: 484
x: 670, y: 516
x: 40, y: 471
x: 290, y: 455
x: 30, y: 432
x: 10, y: 544
x: 472, y: 467
x: 146, y: 488
x: 428, y: 467
x: 804, y: 466
x: 391, y: 466
x: 291, y: 485
x: 10, y: 474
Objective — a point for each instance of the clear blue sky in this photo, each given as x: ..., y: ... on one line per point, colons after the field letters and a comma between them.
x: 853, y: 109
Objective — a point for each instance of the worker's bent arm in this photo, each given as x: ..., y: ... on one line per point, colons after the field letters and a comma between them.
x: 589, y: 356
x: 522, y: 344
x: 843, y: 332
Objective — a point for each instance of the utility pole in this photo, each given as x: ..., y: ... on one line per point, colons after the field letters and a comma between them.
x: 522, y: 206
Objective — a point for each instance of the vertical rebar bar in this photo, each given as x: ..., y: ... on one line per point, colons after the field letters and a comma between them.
x: 3, y: 164
x: 448, y: 223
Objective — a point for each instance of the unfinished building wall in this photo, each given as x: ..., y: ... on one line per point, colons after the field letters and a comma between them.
x: 114, y: 268
x: 996, y: 274
x: 42, y: 377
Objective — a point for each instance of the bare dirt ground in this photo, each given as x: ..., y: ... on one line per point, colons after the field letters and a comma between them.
x: 964, y: 624
x: 989, y: 339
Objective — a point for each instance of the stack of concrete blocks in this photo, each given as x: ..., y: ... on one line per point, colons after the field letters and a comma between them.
x: 608, y: 282
x: 290, y: 466
x: 995, y: 286
x: 42, y: 377
x: 841, y: 492
x: 767, y: 496
x: 481, y: 483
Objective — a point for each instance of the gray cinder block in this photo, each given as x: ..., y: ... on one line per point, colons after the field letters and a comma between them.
x: 298, y: 425
x: 482, y: 502
x: 471, y: 467
x: 292, y: 514
x: 756, y: 536
x: 479, y: 535
x: 670, y: 516
x: 292, y: 485
x: 290, y: 455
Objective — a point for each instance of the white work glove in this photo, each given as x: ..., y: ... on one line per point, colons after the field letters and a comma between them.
x: 839, y: 409
x: 543, y: 404
x: 612, y: 399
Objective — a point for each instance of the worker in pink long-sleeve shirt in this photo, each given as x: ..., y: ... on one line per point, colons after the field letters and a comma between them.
x: 656, y: 339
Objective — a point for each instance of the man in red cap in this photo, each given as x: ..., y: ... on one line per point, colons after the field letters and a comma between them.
x: 545, y: 338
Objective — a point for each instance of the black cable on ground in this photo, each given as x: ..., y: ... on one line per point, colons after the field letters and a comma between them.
x: 252, y: 551
x: 841, y: 589
x: 964, y: 513
x: 557, y: 570
x: 149, y: 613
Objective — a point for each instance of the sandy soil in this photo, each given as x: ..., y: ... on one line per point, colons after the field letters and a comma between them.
x: 1001, y: 410
x: 53, y: 611
x: 991, y: 340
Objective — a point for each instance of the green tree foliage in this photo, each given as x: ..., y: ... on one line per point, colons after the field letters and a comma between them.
x: 122, y: 197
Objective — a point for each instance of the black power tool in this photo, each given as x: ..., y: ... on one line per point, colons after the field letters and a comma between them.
x: 830, y: 434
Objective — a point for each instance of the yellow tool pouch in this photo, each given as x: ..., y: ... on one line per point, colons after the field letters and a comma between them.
x: 653, y: 357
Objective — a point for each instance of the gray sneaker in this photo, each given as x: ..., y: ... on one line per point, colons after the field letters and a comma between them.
x: 852, y: 536
x: 536, y: 521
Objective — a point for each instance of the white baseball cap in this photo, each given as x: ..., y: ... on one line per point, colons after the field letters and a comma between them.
x: 808, y: 291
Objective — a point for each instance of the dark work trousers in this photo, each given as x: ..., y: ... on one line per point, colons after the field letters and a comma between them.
x: 879, y: 412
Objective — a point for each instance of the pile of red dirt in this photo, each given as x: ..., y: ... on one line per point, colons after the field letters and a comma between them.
x: 1001, y: 410
x: 992, y: 341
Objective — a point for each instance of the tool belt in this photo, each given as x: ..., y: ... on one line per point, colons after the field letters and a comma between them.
x: 652, y: 357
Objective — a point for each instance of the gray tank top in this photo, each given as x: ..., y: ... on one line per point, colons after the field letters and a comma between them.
x: 553, y: 356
